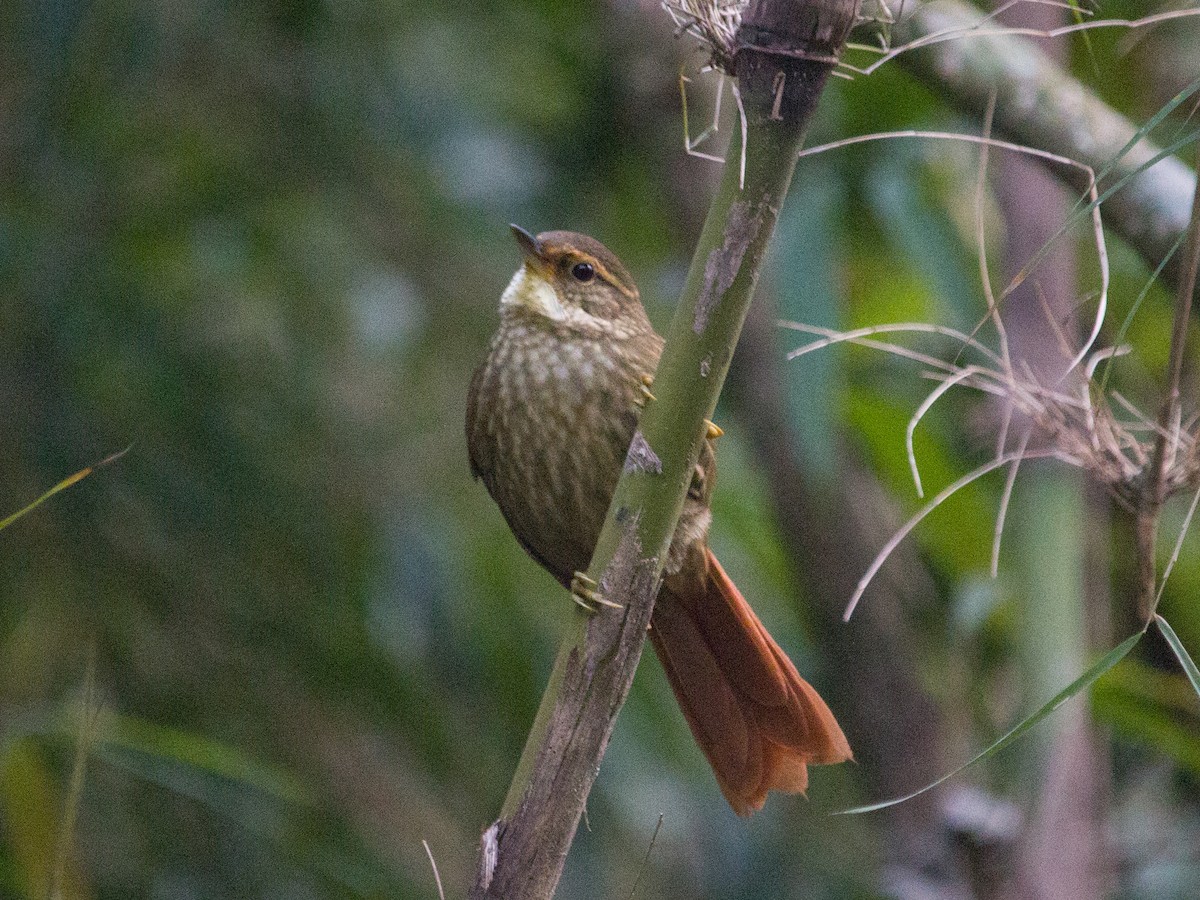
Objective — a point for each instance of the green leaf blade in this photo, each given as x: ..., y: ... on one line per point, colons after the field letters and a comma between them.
x: 67, y: 482
x: 1185, y: 659
x: 1085, y: 680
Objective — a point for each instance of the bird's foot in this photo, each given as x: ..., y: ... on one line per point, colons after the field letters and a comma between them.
x: 586, y: 592
x: 644, y: 395
x: 712, y: 430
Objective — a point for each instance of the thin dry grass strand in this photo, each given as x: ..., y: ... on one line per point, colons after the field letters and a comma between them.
x: 1005, y: 423
x: 1092, y: 194
x: 865, y: 48
x: 433, y: 865
x: 1010, y: 481
x: 985, y: 277
x: 646, y: 859
x: 1102, y: 259
x: 1064, y: 346
x: 690, y: 144
x: 1102, y: 354
x: 907, y: 527
x: 1178, y: 548
x: 997, y: 143
x: 1085, y: 388
x: 832, y: 336
x: 737, y: 95
x: 926, y: 405
x: 977, y: 30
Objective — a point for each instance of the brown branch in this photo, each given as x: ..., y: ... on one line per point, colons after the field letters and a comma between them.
x: 1154, y: 489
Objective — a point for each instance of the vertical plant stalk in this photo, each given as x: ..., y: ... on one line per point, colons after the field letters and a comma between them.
x: 783, y: 53
x: 1154, y: 488
x: 1062, y: 778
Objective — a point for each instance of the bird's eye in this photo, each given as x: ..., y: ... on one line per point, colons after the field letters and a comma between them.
x: 583, y: 272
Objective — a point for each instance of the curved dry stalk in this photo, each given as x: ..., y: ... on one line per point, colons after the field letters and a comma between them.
x: 925, y: 406
x: 998, y: 143
x: 985, y: 277
x: 690, y: 144
x: 985, y: 141
x: 977, y: 30
x: 1006, y: 496
x: 857, y: 336
x: 437, y: 876
x: 905, y: 529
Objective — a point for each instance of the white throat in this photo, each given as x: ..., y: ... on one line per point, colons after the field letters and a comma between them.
x: 531, y: 290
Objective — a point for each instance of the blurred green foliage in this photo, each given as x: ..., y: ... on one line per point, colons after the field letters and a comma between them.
x: 262, y: 243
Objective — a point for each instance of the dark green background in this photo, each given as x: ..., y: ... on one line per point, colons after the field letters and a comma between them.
x: 262, y: 244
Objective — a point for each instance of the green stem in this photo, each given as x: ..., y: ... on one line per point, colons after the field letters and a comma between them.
x: 785, y: 51
x: 688, y: 381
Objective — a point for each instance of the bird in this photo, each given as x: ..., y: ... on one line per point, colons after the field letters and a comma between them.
x: 551, y: 412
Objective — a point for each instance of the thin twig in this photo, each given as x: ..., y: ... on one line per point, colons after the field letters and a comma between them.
x: 1005, y: 497
x: 907, y: 527
x: 976, y: 30
x: 433, y: 864
x: 1154, y: 488
x: 646, y: 858
x: 1092, y: 193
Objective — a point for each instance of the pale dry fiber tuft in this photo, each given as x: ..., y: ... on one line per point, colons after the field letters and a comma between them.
x: 714, y: 23
x: 1078, y: 427
x: 1073, y: 416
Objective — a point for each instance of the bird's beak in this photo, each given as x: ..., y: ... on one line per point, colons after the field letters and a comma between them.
x: 531, y: 247
x: 531, y: 286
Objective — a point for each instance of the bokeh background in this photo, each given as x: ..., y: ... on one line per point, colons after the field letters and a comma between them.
x: 261, y: 245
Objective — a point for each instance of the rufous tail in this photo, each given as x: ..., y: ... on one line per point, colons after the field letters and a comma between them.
x: 759, y: 723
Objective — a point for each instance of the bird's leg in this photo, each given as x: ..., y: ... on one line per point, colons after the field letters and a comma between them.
x: 644, y: 395
x: 586, y: 593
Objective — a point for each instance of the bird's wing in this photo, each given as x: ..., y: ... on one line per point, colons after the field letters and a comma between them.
x: 481, y: 446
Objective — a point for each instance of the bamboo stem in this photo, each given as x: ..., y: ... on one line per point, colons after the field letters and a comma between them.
x: 784, y: 52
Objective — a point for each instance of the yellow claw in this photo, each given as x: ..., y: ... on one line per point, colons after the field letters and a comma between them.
x: 586, y: 593
x: 713, y: 430
x: 644, y: 388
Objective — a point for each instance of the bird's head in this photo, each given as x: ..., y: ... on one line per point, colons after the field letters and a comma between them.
x: 574, y: 282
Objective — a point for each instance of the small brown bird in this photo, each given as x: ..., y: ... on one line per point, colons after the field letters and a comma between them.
x: 550, y: 416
